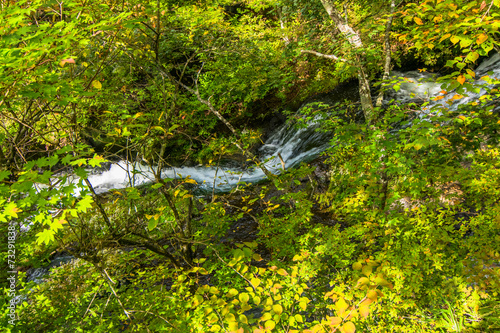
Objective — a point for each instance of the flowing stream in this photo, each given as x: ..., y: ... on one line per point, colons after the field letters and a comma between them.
x: 292, y: 144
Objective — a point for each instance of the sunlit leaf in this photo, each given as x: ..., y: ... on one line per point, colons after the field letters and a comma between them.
x: 278, y: 309
x: 461, y: 79
x: 96, y: 84
x: 349, y: 327
x: 11, y: 209
x: 270, y: 324
x: 481, y: 39
x: 243, y: 297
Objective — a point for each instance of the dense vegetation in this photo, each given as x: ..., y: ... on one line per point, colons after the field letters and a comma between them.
x: 395, y: 228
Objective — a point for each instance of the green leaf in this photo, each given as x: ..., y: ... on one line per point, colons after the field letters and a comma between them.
x: 472, y: 56
x: 45, y: 236
x: 96, y: 161
x: 11, y: 210
x: 152, y: 224
x: 4, y: 174
x: 79, y: 162
x: 84, y: 204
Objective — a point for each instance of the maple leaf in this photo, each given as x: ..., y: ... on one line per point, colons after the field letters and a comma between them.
x: 11, y: 210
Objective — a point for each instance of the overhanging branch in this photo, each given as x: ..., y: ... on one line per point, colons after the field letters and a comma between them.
x: 328, y: 56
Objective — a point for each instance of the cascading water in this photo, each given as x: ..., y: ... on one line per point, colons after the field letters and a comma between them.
x: 422, y: 87
x: 292, y: 144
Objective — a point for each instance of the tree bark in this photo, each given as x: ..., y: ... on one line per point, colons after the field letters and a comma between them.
x: 355, y: 40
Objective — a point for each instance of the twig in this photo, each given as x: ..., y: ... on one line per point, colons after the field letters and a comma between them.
x: 110, y: 282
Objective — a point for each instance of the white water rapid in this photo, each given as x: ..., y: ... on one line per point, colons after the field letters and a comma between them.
x: 293, y: 145
x: 422, y: 87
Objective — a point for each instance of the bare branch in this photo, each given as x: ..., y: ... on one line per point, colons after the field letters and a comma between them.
x: 328, y: 56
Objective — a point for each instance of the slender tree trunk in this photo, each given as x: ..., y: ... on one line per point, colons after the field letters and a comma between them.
x: 355, y: 40
x: 387, y: 47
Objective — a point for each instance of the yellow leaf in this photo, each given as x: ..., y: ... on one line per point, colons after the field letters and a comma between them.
x: 349, y: 327
x: 270, y: 324
x: 461, y: 79
x: 481, y: 39
x: 335, y: 321
x: 462, y: 117
x: 454, y: 39
x: 444, y: 37
x: 357, y: 266
x: 257, y: 257
x: 255, y: 282
x: 471, y: 73
x: 363, y: 281
x: 418, y: 20
x: 341, y: 305
x: 364, y: 310
x: 243, y: 297
x: 367, y: 270
x: 96, y: 84
x: 266, y: 316
x: 232, y: 292
x: 372, y: 294
x: 381, y: 281
x: 278, y: 309
x: 472, y: 56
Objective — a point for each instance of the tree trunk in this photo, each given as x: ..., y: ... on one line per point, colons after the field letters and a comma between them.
x: 387, y: 47
x: 355, y: 40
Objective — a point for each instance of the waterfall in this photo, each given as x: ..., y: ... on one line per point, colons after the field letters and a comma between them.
x: 292, y: 144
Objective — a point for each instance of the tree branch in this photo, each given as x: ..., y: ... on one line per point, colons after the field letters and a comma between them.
x: 328, y: 56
